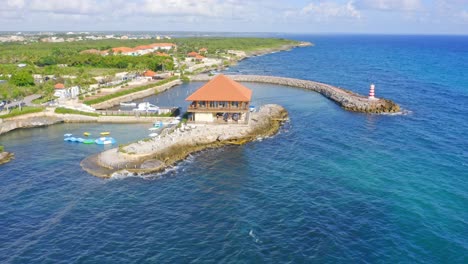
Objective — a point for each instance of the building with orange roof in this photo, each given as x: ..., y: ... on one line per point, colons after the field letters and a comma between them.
x: 199, y: 57
x: 59, y: 86
x: 149, y: 73
x: 220, y: 100
x: 193, y: 54
x: 163, y: 46
x: 124, y: 51
x: 162, y: 54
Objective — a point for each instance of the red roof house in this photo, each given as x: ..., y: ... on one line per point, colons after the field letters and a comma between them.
x: 149, y: 73
x: 220, y: 97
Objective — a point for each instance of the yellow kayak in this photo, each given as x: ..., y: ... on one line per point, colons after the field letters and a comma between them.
x: 87, y: 134
x: 105, y: 133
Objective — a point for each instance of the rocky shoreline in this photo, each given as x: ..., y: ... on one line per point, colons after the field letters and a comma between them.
x: 348, y: 100
x: 156, y: 154
x: 6, y: 157
x: 261, y: 52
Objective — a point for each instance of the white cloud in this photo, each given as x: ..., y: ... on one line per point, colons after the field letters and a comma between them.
x: 68, y: 7
x: 390, y: 5
x: 464, y: 15
x: 326, y: 10
x: 12, y: 5
x: 203, y: 8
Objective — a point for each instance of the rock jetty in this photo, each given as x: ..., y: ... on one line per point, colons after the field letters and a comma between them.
x: 348, y: 100
x: 174, y: 144
x: 5, y: 157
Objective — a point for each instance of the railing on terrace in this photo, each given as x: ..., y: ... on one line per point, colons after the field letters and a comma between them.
x: 218, y: 109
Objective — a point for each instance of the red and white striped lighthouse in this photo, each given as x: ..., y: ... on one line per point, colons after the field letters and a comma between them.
x: 372, y: 92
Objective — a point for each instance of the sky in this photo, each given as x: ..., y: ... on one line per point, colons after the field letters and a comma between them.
x: 291, y: 16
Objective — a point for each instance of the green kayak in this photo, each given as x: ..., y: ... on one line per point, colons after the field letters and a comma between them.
x: 88, y: 141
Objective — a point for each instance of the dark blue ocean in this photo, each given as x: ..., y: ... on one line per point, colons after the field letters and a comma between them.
x: 331, y: 187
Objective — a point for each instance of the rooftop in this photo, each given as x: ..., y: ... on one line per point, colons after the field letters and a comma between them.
x: 222, y: 88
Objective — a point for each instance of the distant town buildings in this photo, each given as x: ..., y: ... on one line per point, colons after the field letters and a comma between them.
x: 137, y: 51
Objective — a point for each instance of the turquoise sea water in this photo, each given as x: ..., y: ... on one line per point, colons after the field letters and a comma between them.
x: 331, y: 187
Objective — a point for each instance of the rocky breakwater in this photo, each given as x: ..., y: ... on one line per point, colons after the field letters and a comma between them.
x: 5, y: 157
x: 174, y: 144
x: 348, y: 100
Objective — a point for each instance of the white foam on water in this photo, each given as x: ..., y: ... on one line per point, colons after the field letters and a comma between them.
x: 251, y: 234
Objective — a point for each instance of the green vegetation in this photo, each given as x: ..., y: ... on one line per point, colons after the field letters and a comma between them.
x: 23, y: 111
x: 2, y: 148
x: 61, y: 60
x: 22, y: 78
x: 61, y: 110
x: 129, y: 91
x: 221, y: 44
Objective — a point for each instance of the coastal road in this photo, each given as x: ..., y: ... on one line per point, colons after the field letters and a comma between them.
x: 27, y: 101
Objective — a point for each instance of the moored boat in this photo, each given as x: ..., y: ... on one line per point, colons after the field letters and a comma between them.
x: 105, y: 141
x: 87, y: 134
x: 128, y: 104
x: 147, y: 107
x: 105, y: 133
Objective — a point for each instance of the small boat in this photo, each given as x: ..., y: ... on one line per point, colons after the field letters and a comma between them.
x: 252, y: 108
x: 128, y: 104
x: 146, y: 107
x: 158, y: 124
x: 87, y: 134
x: 153, y: 135
x: 104, y: 133
x: 67, y: 135
x: 70, y: 139
x: 80, y: 140
x: 104, y: 141
x: 153, y: 129
x: 88, y: 141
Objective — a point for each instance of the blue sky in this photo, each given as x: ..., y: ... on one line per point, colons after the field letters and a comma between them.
x: 294, y: 16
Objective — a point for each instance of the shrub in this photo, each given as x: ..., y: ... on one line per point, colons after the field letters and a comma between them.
x: 24, y: 110
x: 2, y: 148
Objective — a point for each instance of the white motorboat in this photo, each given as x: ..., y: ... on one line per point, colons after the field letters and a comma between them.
x: 128, y: 104
x: 146, y: 107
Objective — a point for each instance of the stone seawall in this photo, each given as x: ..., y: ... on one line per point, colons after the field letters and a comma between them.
x: 348, y: 100
x: 138, y: 95
x: 50, y: 118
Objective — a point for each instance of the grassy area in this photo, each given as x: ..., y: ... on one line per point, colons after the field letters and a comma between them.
x: 129, y: 91
x: 23, y: 111
x: 2, y: 148
x: 221, y: 44
x: 61, y: 110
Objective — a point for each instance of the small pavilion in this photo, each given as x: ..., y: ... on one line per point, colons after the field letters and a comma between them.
x: 221, y: 100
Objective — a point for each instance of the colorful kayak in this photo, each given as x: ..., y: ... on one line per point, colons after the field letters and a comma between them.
x: 105, y: 133
x: 88, y: 141
x: 67, y: 135
x: 105, y: 141
x: 87, y: 134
